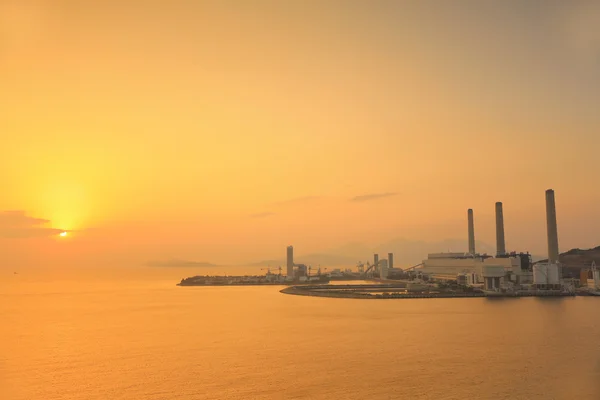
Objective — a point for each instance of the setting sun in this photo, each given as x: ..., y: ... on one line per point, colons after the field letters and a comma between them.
x: 62, y: 234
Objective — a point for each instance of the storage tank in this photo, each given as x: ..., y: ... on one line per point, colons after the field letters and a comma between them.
x: 596, y: 276
x: 540, y: 274
x: 553, y: 276
x: 383, y: 272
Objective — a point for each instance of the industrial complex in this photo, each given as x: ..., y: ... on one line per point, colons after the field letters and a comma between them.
x: 505, y: 271
x: 468, y: 274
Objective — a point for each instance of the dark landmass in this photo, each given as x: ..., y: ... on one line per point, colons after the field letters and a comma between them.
x: 579, y: 257
x: 180, y: 263
x: 576, y: 260
x: 248, y: 280
x: 400, y: 291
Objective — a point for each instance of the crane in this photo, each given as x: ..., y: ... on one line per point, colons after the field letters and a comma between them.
x: 369, y: 267
x: 269, y: 270
x: 318, y: 270
x: 361, y: 267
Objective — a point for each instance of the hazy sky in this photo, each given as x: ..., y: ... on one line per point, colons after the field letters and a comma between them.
x: 225, y: 130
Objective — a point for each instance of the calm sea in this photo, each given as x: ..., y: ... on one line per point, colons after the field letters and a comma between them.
x: 132, y: 334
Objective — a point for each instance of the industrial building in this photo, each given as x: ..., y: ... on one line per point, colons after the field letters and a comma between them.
x: 505, y: 270
x: 384, y: 268
x: 592, y: 283
x: 300, y: 273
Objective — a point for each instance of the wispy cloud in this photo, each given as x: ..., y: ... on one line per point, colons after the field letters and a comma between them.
x: 17, y: 224
x: 19, y: 218
x: 296, y: 200
x: 262, y: 214
x: 373, y: 196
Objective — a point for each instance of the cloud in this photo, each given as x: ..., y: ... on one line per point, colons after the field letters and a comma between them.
x: 297, y: 200
x: 17, y: 224
x: 373, y: 196
x: 19, y: 218
x: 262, y: 214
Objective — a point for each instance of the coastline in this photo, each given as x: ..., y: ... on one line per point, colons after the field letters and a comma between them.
x: 340, y: 293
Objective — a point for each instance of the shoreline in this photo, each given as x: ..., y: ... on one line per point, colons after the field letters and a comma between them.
x: 315, y: 291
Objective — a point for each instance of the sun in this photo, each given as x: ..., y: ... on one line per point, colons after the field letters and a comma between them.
x: 62, y: 234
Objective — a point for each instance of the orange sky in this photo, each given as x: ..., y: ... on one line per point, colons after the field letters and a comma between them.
x: 225, y: 130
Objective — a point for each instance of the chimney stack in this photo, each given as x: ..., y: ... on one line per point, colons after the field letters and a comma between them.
x: 290, y: 261
x: 552, y: 228
x: 500, y: 245
x: 471, y: 231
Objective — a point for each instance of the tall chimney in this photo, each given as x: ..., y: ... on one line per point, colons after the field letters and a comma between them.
x: 471, y: 231
x: 500, y: 245
x: 375, y: 260
x: 552, y: 228
x: 290, y: 261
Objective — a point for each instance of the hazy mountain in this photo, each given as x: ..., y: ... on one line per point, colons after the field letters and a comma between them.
x: 267, y: 263
x: 579, y: 257
x: 314, y: 260
x: 179, y: 263
x: 406, y: 253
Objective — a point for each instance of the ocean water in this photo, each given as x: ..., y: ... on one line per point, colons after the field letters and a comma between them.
x: 133, y: 334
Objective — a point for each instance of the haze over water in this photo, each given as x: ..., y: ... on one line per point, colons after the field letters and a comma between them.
x: 136, y: 335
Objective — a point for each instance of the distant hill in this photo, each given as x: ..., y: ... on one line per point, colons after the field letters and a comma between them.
x: 179, y: 263
x: 312, y: 259
x: 406, y: 253
x: 579, y: 257
x: 267, y: 263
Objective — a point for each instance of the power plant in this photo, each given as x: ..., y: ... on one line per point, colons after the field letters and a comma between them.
x: 505, y: 271
x: 464, y: 274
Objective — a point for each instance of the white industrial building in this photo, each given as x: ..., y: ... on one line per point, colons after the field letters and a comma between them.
x: 593, y: 284
x: 453, y: 265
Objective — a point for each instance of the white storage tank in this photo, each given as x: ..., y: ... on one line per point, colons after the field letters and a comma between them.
x: 553, y: 276
x: 540, y: 274
x: 383, y: 271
